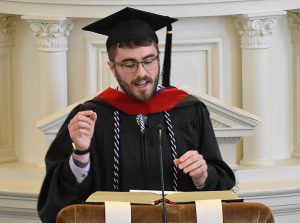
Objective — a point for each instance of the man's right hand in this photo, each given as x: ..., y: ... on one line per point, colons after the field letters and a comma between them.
x: 81, y: 128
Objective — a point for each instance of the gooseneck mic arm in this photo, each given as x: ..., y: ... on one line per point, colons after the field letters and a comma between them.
x: 164, y: 212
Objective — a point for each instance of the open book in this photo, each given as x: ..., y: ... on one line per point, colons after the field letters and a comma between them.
x: 144, y: 197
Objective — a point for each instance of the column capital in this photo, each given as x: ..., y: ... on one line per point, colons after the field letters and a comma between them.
x: 294, y: 24
x: 256, y: 29
x: 7, y: 29
x: 52, y: 33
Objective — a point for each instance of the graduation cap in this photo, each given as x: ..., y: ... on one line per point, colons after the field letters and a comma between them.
x: 131, y: 24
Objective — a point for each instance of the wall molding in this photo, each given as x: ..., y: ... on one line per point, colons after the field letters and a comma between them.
x: 212, y: 47
x: 98, y: 9
x: 96, y: 56
x: 6, y: 124
x: 99, y: 76
x: 18, y: 206
x: 5, y: 99
x: 294, y: 24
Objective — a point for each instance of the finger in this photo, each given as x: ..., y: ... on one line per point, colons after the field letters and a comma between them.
x: 187, y: 155
x: 198, y: 172
x: 89, y: 119
x: 194, y: 166
x: 88, y: 116
x: 190, y: 160
x: 81, y: 128
x: 83, y: 125
x: 83, y: 118
x: 80, y: 121
x: 75, y: 126
x: 86, y: 113
x: 176, y: 162
x: 94, y: 116
x: 81, y: 133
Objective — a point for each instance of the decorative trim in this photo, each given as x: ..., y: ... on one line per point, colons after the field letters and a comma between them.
x: 228, y: 140
x: 52, y: 35
x: 6, y: 142
x: 98, y: 77
x: 236, y: 188
x: 7, y: 29
x: 222, y: 110
x: 294, y: 24
x: 281, y: 205
x: 277, y: 186
x: 19, y: 206
x: 218, y: 124
x: 255, y: 32
x: 130, y: 2
x: 174, y: 8
x: 5, y: 100
x: 212, y: 46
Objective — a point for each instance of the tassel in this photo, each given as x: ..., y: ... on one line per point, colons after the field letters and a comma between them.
x: 167, y: 60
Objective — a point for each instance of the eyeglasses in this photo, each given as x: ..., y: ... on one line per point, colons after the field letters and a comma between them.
x: 131, y: 66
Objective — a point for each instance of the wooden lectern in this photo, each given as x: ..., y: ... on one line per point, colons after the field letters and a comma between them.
x: 235, y: 212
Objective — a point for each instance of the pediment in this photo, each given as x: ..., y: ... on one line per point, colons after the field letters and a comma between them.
x: 51, y: 124
x: 227, y: 120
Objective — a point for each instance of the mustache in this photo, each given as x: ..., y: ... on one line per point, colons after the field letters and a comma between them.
x: 145, y: 78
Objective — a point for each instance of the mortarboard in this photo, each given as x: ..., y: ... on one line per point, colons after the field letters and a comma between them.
x: 132, y: 24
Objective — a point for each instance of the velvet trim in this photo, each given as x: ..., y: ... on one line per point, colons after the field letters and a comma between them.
x: 164, y: 100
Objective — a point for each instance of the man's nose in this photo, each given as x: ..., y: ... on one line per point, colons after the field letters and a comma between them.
x: 140, y: 70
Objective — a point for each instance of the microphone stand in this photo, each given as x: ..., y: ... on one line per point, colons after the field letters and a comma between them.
x: 164, y: 212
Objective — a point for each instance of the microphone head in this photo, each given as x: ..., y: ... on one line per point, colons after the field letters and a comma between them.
x: 160, y: 127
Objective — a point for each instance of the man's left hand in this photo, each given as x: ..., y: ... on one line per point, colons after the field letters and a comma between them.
x: 194, y: 164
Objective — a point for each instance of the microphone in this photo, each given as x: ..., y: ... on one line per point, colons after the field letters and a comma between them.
x: 164, y: 212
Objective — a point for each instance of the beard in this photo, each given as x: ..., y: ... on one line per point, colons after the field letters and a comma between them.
x: 141, y: 96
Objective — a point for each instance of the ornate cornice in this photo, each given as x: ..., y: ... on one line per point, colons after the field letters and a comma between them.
x: 255, y: 32
x: 52, y: 35
x: 7, y: 29
x: 174, y: 8
x: 294, y: 24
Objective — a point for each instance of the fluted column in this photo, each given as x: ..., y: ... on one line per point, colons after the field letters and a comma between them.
x: 7, y: 31
x: 256, y: 31
x: 294, y: 24
x: 52, y: 40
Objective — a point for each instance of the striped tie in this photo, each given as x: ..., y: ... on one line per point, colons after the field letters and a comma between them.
x: 140, y: 122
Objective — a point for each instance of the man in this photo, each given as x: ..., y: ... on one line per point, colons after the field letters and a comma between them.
x: 111, y: 142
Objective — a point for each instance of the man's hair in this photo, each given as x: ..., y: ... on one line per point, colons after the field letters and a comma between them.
x: 129, y: 44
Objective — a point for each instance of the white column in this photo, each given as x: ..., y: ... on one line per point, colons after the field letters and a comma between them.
x: 294, y: 23
x: 255, y: 31
x: 52, y: 37
x: 7, y: 30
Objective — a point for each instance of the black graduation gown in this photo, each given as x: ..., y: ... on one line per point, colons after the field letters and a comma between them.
x: 139, y: 156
